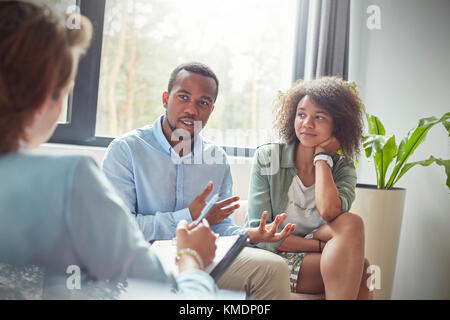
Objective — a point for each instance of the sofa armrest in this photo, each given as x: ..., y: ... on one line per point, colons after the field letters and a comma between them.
x: 239, y: 215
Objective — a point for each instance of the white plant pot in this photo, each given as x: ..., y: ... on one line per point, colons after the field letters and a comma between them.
x: 381, y: 211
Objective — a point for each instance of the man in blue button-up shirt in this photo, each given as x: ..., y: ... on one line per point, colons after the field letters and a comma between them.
x: 159, y: 191
x: 161, y: 172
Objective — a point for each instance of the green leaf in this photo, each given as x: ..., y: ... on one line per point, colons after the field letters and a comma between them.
x: 383, y: 159
x: 412, y: 141
x: 425, y: 163
x: 389, y: 153
x: 367, y: 147
x: 374, y: 141
x: 379, y: 169
x: 375, y: 125
x: 384, y: 150
x: 401, y: 147
x: 373, y: 146
x: 446, y: 124
x: 368, y: 152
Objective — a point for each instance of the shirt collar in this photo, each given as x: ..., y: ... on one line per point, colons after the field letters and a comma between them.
x: 159, y: 134
x: 287, y: 155
x: 161, y: 138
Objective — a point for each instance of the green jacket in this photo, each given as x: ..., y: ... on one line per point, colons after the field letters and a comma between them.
x: 272, y: 173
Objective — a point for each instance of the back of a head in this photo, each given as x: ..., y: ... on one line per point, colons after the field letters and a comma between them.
x: 38, y: 58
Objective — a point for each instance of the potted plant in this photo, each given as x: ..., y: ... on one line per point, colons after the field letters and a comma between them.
x: 381, y: 205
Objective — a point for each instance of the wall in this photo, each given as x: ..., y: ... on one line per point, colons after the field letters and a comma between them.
x: 403, y: 74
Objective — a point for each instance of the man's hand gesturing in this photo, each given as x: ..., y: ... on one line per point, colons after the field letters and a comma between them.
x: 218, y: 212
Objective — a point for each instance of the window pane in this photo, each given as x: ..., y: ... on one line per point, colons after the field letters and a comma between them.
x: 248, y: 44
x: 61, y: 5
x: 69, y: 7
x: 64, y: 116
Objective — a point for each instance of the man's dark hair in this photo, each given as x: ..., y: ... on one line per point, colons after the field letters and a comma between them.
x: 194, y: 67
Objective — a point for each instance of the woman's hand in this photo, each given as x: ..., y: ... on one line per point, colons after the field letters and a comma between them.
x: 329, y: 146
x: 268, y: 233
x: 199, y: 238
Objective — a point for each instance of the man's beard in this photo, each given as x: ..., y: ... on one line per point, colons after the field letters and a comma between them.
x: 176, y: 131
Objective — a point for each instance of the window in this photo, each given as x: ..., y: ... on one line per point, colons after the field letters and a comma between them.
x: 82, y: 103
x: 248, y: 44
x: 67, y: 6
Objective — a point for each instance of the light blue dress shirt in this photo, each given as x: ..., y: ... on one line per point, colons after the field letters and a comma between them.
x: 158, y: 186
x: 58, y: 211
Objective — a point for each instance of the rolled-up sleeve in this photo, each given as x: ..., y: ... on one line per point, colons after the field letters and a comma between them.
x: 345, y: 179
x: 259, y: 199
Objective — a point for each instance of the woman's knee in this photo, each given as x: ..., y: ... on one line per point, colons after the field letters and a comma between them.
x: 350, y: 225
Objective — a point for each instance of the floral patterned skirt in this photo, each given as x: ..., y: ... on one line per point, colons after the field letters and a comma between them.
x: 294, y: 261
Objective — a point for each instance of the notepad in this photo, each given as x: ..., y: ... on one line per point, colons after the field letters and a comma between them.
x: 228, y: 247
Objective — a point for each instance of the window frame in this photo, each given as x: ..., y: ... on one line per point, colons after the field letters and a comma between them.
x: 80, y: 127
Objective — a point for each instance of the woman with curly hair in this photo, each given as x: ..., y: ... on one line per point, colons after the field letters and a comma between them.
x: 305, y: 177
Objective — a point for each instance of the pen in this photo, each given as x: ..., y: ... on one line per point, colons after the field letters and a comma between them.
x: 206, y: 209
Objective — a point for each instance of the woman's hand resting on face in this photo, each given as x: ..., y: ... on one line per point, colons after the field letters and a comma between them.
x: 329, y: 146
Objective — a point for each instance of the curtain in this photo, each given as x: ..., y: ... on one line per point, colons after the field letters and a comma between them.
x: 322, y: 39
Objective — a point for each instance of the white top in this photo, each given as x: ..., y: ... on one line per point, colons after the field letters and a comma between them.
x: 301, y: 208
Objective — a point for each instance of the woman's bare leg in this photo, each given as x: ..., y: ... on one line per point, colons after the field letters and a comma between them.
x: 342, y: 261
x: 309, y: 278
x: 364, y: 292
